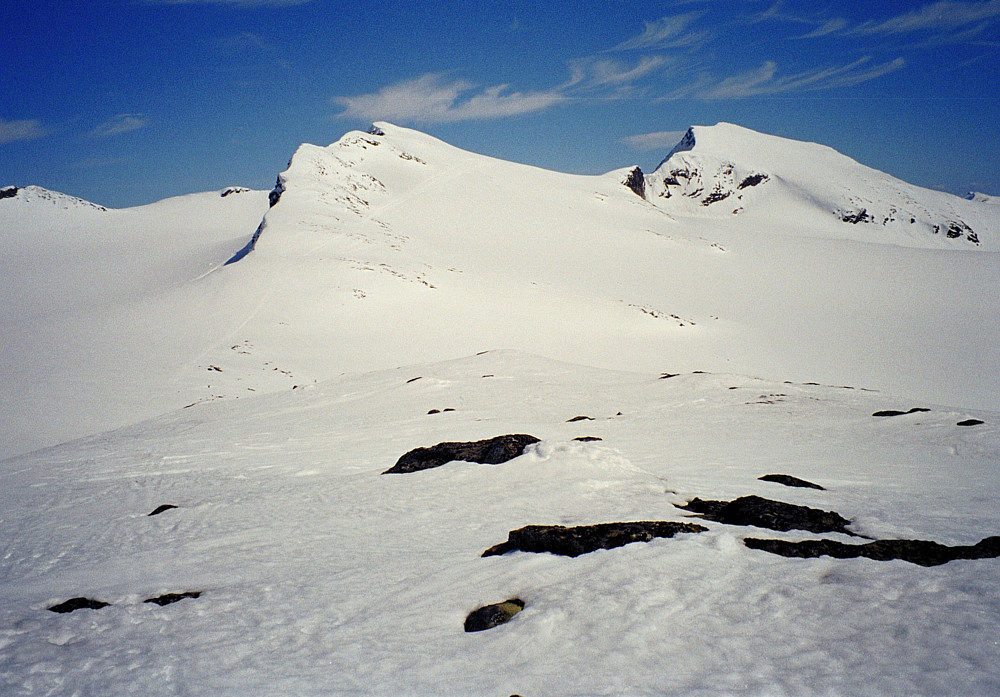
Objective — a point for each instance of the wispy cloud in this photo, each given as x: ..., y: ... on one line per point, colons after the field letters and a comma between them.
x: 666, y: 32
x: 654, y: 141
x: 599, y: 72
x: 944, y: 21
x: 942, y: 16
x: 28, y: 129
x: 431, y: 98
x: 765, y: 80
x: 122, y: 123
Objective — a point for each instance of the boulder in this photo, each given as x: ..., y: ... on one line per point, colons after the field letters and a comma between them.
x: 494, y: 615
x: 582, y: 539
x: 765, y: 513
x: 492, y: 451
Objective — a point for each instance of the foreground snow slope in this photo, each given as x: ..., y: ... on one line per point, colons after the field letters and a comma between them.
x: 394, y: 248
x: 320, y: 576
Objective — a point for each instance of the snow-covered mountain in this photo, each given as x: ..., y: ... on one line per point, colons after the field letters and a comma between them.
x: 730, y: 170
x: 391, y: 247
x: 223, y: 381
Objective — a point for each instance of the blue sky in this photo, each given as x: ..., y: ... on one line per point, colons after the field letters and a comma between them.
x: 124, y: 102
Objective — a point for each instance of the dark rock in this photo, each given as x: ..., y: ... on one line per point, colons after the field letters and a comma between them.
x: 276, y: 192
x: 789, y: 480
x: 765, y: 513
x: 413, y: 379
x: 893, y: 412
x: 9, y: 192
x: 448, y: 409
x: 582, y: 539
x: 580, y: 418
x: 160, y: 509
x: 715, y: 197
x: 74, y: 604
x: 375, y: 131
x: 434, y: 411
x: 492, y: 451
x: 494, y: 615
x: 922, y: 552
x: 587, y: 439
x: 666, y: 376
x: 752, y: 180
x: 636, y: 181
x: 969, y: 422
x: 861, y: 216
x: 169, y: 598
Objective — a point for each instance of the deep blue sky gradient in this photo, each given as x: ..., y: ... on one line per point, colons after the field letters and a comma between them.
x: 124, y: 102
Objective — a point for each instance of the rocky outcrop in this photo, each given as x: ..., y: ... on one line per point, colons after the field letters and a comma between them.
x: 74, y: 604
x: 636, y: 181
x: 922, y: 552
x: 896, y: 412
x: 582, y: 539
x: 492, y: 451
x: 169, y: 598
x: 8, y: 192
x: 765, y: 513
x: 161, y: 508
x: 789, y: 480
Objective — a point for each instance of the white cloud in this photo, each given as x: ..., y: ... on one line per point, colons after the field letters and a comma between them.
x: 431, y: 99
x: 654, y: 141
x: 29, y: 129
x: 765, y: 79
x: 942, y: 16
x: 122, y: 123
x: 667, y: 32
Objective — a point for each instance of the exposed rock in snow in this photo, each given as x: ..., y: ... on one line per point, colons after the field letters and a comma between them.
x: 492, y: 451
x: 764, y: 513
x: 161, y: 508
x: 583, y: 539
x: 491, y: 616
x: 922, y: 552
x: 80, y: 603
x: 789, y: 480
x: 170, y: 598
x: 636, y: 181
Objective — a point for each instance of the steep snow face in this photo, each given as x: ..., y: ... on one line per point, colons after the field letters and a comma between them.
x: 725, y: 170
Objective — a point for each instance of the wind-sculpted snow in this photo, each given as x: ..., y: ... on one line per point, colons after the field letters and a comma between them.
x: 291, y: 565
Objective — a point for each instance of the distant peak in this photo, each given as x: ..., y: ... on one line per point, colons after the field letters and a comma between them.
x: 36, y: 194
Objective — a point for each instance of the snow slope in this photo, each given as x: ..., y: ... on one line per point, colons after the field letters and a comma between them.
x: 392, y: 248
x: 98, y: 317
x: 401, y: 292
x: 320, y: 576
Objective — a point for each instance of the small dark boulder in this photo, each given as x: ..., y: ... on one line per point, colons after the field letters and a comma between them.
x: 970, y: 422
x: 492, y: 451
x: 789, y: 480
x: 582, y: 539
x: 9, y: 192
x: 894, y: 412
x: 494, y: 615
x: 922, y: 552
x: 579, y: 418
x: 74, y: 604
x: 160, y: 509
x: 169, y: 598
x: 765, y: 513
x: 587, y: 439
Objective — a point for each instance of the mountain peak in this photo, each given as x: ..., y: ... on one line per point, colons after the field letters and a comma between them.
x: 37, y: 194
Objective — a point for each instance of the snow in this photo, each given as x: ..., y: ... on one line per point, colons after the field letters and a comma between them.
x: 264, y: 398
x: 321, y: 576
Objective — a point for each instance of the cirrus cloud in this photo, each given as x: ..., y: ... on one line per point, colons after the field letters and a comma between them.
x: 26, y: 129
